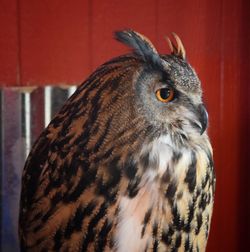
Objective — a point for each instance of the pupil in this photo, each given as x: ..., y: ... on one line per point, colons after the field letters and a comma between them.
x: 164, y: 93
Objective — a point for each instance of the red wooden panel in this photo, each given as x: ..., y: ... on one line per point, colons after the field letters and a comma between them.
x: 235, y: 142
x: 228, y: 157
x: 244, y: 129
x: 9, y: 71
x: 109, y: 16
x: 54, y: 40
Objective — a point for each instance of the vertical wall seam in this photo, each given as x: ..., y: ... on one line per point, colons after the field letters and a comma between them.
x: 156, y: 23
x: 222, y: 64
x: 19, y: 45
x: 90, y: 34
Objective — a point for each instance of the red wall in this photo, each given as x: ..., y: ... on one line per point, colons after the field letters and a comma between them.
x: 61, y: 42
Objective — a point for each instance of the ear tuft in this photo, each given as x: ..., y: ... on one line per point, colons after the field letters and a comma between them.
x: 141, y: 45
x: 177, y: 49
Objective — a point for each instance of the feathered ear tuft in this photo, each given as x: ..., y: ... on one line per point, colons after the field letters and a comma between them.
x: 179, y: 50
x: 141, y: 45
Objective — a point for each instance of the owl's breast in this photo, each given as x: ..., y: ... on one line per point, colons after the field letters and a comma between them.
x: 173, y: 206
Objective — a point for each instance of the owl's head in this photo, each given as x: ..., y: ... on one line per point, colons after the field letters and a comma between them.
x: 140, y: 97
x: 167, y: 91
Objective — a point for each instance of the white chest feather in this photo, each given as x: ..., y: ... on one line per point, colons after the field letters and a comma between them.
x: 128, y: 236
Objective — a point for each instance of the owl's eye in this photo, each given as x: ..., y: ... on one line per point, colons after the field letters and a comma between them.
x: 165, y: 94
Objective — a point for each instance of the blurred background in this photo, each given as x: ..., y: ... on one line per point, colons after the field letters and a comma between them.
x: 48, y: 47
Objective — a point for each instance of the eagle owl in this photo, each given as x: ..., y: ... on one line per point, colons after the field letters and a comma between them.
x: 126, y: 165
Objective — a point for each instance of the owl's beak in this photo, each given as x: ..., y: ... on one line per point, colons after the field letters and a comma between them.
x: 203, y: 117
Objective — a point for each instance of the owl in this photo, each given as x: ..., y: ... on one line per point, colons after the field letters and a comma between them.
x: 126, y: 165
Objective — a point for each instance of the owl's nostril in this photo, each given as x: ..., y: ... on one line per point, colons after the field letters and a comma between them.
x: 203, y: 117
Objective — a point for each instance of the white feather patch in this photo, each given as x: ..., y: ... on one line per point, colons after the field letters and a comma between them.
x: 162, y: 151
x: 131, y: 215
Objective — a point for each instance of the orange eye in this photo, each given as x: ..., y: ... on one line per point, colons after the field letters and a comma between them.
x: 165, y: 95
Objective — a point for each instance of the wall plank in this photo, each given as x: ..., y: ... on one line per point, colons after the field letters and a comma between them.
x: 109, y: 16
x: 9, y: 44
x: 54, y: 41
